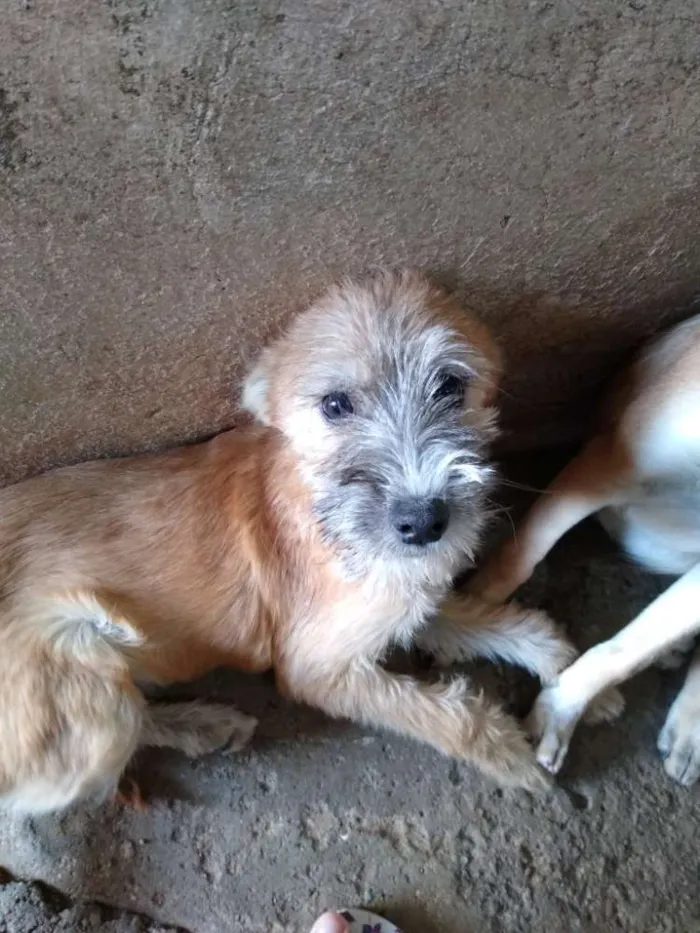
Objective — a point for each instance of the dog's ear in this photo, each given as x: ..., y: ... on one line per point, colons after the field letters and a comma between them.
x: 476, y: 334
x: 493, y: 360
x: 256, y: 389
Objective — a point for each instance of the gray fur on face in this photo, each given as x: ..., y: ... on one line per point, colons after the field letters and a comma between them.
x: 386, y: 344
x: 404, y: 441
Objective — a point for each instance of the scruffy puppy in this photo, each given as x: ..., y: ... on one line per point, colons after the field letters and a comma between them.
x: 310, y: 544
x: 641, y: 472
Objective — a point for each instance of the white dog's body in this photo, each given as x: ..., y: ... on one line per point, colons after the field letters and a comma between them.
x: 641, y: 473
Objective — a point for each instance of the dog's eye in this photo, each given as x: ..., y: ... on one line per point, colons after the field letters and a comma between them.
x: 336, y: 405
x: 450, y: 387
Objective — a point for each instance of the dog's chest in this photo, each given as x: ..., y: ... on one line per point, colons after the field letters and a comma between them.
x: 396, y: 610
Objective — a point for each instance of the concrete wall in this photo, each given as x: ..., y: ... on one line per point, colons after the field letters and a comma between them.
x: 176, y: 175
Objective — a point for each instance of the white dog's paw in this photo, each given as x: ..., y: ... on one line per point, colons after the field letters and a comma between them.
x: 552, y: 723
x: 606, y: 707
x: 679, y: 743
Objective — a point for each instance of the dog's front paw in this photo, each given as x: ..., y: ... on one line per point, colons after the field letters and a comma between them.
x: 517, y: 765
x: 498, y: 744
x: 605, y: 708
x: 551, y: 724
x: 679, y: 743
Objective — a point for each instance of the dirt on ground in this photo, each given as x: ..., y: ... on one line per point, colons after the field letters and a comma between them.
x: 29, y: 907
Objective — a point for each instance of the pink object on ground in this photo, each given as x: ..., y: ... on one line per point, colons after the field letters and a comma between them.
x: 353, y: 920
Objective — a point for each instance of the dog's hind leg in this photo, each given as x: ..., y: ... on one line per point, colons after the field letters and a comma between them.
x: 196, y: 728
x: 67, y: 732
x: 90, y: 628
x: 70, y: 714
x: 673, y: 616
x: 594, y: 479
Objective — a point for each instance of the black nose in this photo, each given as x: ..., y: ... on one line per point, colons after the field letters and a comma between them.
x: 420, y: 521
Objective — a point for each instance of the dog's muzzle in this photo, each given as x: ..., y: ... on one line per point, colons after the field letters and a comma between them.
x: 419, y: 521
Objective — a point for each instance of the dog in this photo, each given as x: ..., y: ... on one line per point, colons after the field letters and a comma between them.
x: 309, y: 542
x: 640, y: 473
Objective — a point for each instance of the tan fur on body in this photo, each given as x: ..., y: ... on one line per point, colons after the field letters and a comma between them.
x: 641, y: 473
x: 158, y: 569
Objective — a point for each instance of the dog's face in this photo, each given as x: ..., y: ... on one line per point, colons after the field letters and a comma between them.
x: 382, y: 390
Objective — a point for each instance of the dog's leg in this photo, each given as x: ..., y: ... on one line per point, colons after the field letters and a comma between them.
x: 445, y: 715
x: 679, y: 742
x: 467, y: 628
x: 673, y: 616
x: 592, y: 480
x: 196, y: 728
x: 128, y: 793
x: 88, y: 627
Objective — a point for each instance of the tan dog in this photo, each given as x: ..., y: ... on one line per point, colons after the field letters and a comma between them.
x: 310, y: 543
x: 642, y: 473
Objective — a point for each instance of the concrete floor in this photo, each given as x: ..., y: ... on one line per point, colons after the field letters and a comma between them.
x: 175, y: 177
x: 319, y: 813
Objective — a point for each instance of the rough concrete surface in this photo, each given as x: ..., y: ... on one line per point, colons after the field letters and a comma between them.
x: 319, y: 813
x: 177, y: 175
x: 32, y: 908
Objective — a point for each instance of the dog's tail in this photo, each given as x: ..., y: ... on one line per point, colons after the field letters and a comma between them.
x: 85, y: 626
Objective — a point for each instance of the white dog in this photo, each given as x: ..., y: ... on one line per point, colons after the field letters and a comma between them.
x: 641, y: 472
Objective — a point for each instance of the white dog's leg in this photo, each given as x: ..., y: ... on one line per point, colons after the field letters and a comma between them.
x: 596, y: 478
x: 679, y: 742
x: 673, y: 616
